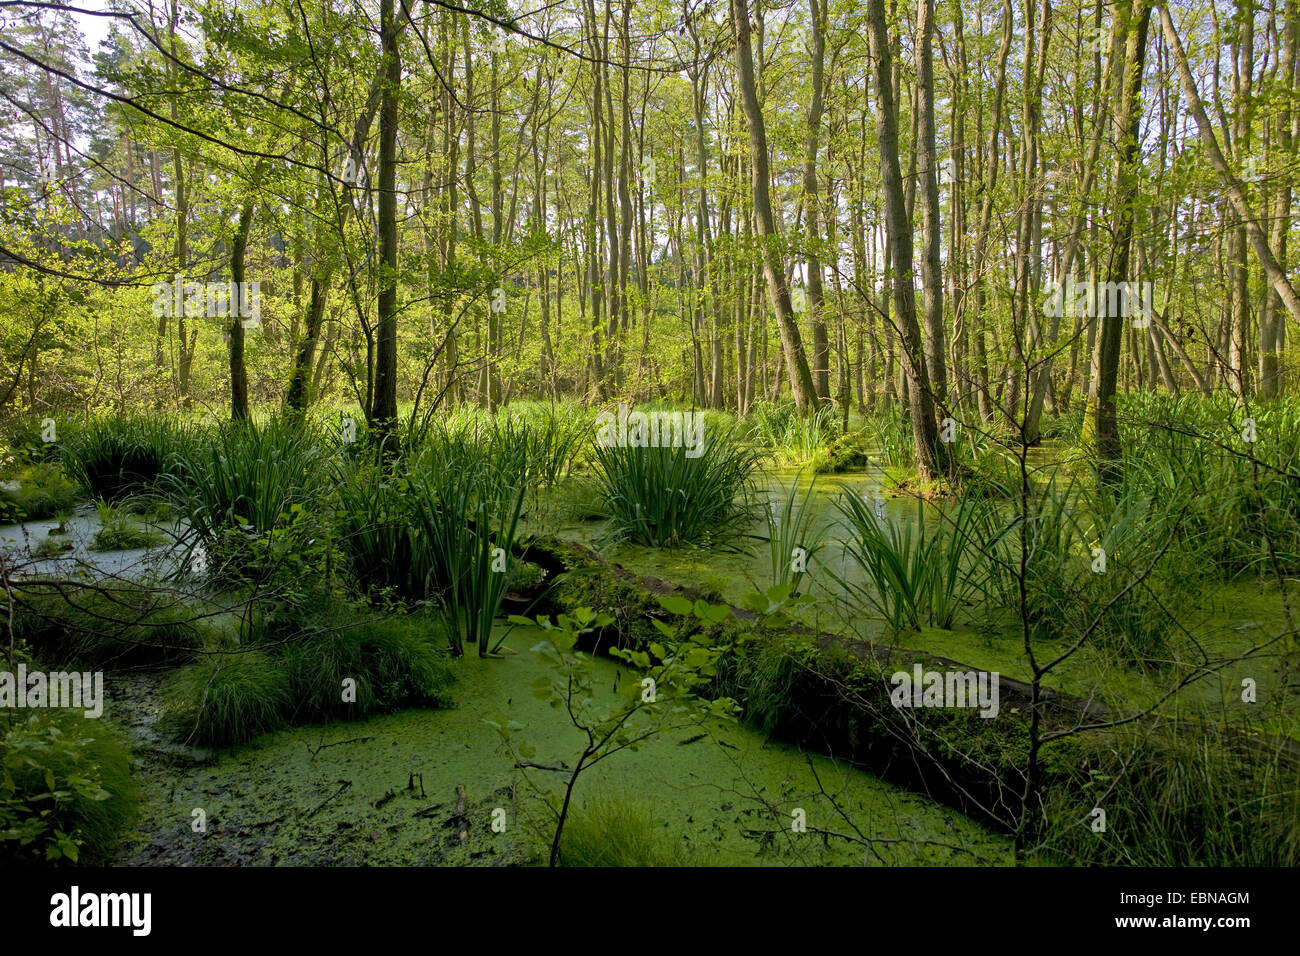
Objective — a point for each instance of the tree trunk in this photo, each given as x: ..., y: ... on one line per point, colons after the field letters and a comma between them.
x: 801, y: 382
x: 382, y: 415
x: 899, y: 239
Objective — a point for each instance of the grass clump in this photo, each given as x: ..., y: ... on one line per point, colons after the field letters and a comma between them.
x: 346, y: 664
x: 50, y: 547
x: 393, y: 662
x: 789, y: 437
x: 1181, y: 796
x: 792, y: 538
x: 114, y: 457
x: 614, y: 831
x: 253, y: 496
x: 249, y: 477
x: 227, y: 698
x: 662, y: 498
x: 923, y: 571
x: 119, y: 532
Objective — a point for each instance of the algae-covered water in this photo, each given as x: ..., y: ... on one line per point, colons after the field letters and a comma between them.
x: 385, y: 791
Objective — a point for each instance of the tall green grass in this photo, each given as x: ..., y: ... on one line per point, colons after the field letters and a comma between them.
x: 253, y: 496
x: 791, y: 534
x: 441, y: 523
x: 1242, y: 500
x: 791, y: 438
x: 117, y: 456
x: 615, y: 831
x: 662, y: 498
x: 917, y: 571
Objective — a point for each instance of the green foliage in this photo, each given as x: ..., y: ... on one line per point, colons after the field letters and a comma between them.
x: 614, y: 831
x: 34, y: 492
x: 791, y: 438
x: 892, y: 430
x: 252, y: 495
x: 1183, y: 796
x: 66, y: 791
x: 26, y: 444
x: 663, y: 498
x: 117, y: 456
x: 233, y: 694
x: 395, y: 662
x: 51, y: 546
x: 227, y: 698
x: 441, y: 523
x: 1242, y: 499
x: 849, y: 450
x: 790, y: 527
x: 119, y: 532
x: 118, y: 624
x: 920, y: 571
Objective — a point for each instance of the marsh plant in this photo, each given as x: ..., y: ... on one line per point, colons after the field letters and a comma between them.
x: 794, y: 537
x: 788, y: 437
x: 121, y: 532
x: 924, y: 570
x: 251, y: 495
x: 117, y: 456
x: 440, y: 524
x: 662, y: 497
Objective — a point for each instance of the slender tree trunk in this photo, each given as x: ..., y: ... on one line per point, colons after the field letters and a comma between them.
x: 383, y: 409
x: 1101, y: 422
x: 899, y: 239
x: 801, y: 382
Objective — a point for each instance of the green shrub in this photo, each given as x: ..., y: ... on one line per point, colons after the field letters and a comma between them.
x: 25, y: 444
x: 66, y: 791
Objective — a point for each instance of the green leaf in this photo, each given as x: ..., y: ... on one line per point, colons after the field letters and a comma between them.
x: 717, y: 613
x: 662, y: 628
x: 674, y: 604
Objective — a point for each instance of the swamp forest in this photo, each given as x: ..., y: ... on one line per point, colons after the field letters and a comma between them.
x: 781, y: 433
